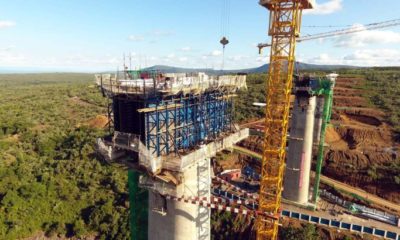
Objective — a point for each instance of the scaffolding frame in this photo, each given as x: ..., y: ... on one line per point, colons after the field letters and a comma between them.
x: 192, y: 120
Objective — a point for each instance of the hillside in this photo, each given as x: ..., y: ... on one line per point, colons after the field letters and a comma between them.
x: 171, y: 69
x: 261, y: 69
x: 363, y: 139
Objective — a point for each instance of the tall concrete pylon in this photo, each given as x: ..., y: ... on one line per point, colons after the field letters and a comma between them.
x: 298, y: 165
x: 318, y: 119
x: 183, y: 221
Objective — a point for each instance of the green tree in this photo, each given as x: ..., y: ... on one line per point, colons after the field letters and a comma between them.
x: 53, y: 229
x: 293, y: 233
x: 79, y: 228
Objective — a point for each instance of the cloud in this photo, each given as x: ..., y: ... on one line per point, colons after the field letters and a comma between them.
x: 375, y: 55
x: 324, y: 58
x: 171, y: 55
x: 152, y: 36
x: 361, y: 39
x: 7, y: 24
x: 215, y: 53
x: 186, y: 49
x: 325, y: 8
x: 8, y: 58
x: 81, y: 61
x: 183, y: 59
x: 136, y: 38
x: 365, y: 57
x: 7, y: 49
x: 162, y: 33
x: 239, y: 61
x: 235, y: 58
x: 262, y: 59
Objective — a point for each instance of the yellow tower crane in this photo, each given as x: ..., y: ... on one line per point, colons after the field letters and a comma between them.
x: 284, y: 27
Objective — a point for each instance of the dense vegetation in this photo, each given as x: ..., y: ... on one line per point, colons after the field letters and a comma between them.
x: 290, y: 232
x: 255, y: 93
x: 225, y: 225
x: 51, y: 181
x: 384, y: 86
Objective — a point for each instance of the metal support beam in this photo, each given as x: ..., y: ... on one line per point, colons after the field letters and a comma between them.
x: 139, y: 204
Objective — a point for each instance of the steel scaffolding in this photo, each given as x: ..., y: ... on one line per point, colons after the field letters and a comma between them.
x: 183, y: 122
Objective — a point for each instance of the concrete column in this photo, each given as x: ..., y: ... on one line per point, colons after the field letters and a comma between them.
x: 319, y: 111
x: 298, y: 164
x: 183, y: 220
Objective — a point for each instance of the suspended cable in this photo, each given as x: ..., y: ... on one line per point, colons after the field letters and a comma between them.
x: 353, y: 29
x: 228, y: 17
x: 225, y: 18
x: 326, y: 26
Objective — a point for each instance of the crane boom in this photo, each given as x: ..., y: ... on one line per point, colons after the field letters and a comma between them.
x: 350, y: 30
x: 284, y: 27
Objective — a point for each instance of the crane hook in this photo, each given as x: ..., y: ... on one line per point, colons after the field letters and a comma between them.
x: 224, y: 41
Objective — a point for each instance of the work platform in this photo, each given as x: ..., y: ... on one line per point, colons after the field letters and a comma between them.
x: 144, y: 84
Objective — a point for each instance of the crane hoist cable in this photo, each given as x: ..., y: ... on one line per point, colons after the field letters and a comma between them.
x: 326, y: 26
x: 225, y: 18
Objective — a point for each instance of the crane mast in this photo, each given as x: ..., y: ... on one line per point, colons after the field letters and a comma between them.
x: 284, y: 27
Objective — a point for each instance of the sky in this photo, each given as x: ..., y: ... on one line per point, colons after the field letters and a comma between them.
x: 94, y: 35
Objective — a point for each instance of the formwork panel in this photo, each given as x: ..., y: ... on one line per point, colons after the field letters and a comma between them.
x: 177, y: 123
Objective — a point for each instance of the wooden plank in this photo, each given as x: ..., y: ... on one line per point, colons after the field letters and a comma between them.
x: 147, y: 110
x: 227, y: 96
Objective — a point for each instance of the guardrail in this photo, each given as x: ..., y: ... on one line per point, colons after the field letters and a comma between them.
x: 341, y: 225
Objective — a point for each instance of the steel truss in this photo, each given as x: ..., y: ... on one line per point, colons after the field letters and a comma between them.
x: 285, y: 20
